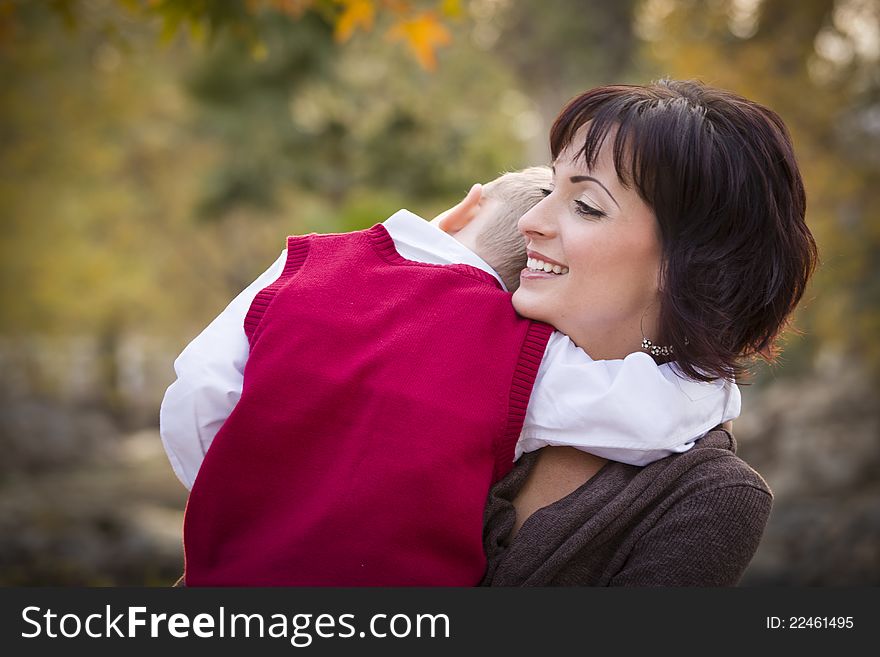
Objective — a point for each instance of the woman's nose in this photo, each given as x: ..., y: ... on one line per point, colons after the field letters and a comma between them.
x: 537, y: 221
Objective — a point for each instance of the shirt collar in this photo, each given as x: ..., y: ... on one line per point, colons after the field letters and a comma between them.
x: 420, y: 240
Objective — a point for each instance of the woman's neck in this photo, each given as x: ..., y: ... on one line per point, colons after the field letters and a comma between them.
x: 609, y: 346
x: 616, y: 342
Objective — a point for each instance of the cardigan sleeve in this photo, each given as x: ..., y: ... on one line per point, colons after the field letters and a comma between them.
x: 705, y: 540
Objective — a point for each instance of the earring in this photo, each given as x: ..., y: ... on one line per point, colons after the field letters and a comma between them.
x: 650, y: 347
x: 655, y: 350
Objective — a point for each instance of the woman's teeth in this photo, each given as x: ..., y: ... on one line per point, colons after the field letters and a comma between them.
x: 539, y: 265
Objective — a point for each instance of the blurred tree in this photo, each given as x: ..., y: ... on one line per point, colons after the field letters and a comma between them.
x: 246, y: 106
x: 93, y: 188
x: 341, y: 124
x: 418, y: 24
x: 107, y: 161
x: 562, y: 47
x: 557, y: 49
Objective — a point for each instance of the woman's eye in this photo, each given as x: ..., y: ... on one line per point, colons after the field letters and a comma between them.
x: 587, y: 211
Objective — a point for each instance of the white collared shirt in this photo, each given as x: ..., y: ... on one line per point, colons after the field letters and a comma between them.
x: 629, y: 410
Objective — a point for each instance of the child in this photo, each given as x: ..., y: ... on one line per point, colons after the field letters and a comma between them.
x: 387, y: 386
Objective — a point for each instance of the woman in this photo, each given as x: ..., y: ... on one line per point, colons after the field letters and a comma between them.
x: 678, y: 210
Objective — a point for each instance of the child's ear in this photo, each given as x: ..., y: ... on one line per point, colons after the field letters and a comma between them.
x: 460, y: 215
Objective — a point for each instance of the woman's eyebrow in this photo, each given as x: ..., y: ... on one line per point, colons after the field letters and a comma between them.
x: 579, y: 179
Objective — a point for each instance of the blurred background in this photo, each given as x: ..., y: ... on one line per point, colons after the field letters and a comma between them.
x: 155, y: 153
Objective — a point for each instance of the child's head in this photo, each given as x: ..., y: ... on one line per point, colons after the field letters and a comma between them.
x: 492, y: 233
x: 510, y: 196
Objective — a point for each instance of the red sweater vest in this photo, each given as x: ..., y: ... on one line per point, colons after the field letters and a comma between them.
x: 381, y: 399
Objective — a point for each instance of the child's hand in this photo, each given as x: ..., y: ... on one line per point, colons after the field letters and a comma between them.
x: 460, y: 215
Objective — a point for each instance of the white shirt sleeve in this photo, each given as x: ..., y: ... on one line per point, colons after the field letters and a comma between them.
x: 630, y: 410
x: 210, y: 372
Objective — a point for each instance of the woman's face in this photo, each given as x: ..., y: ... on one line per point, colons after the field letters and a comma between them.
x: 606, y: 243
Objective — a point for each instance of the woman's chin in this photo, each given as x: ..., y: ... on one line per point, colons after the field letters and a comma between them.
x: 527, y: 303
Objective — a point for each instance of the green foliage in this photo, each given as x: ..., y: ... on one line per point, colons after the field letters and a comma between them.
x: 142, y: 186
x: 577, y: 46
x: 331, y: 122
x: 244, y: 105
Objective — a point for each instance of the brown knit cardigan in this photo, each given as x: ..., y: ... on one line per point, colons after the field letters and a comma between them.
x: 691, y: 519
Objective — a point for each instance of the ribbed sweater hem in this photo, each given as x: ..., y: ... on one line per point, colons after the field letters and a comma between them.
x: 531, y: 354
x: 297, y: 250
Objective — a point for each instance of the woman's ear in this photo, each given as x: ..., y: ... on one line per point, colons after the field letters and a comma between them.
x: 460, y: 215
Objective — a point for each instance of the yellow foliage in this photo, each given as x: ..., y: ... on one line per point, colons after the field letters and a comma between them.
x: 423, y: 34
x: 357, y: 13
x: 451, y: 8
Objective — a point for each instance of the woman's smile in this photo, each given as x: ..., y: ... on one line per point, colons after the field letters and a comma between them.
x: 540, y: 266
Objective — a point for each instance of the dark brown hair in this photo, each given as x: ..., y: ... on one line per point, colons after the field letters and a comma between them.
x: 720, y: 175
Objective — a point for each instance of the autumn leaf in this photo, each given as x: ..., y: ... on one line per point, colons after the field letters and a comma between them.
x: 357, y: 13
x: 423, y: 34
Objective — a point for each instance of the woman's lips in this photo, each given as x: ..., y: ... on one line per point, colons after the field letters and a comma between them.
x: 534, y: 255
x: 531, y: 274
x: 539, y: 267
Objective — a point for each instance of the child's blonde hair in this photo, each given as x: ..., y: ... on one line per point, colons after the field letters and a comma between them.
x: 501, y: 243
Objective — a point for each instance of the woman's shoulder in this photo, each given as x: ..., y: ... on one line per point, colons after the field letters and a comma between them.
x: 717, y: 508
x: 713, y: 463
x: 711, y: 473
